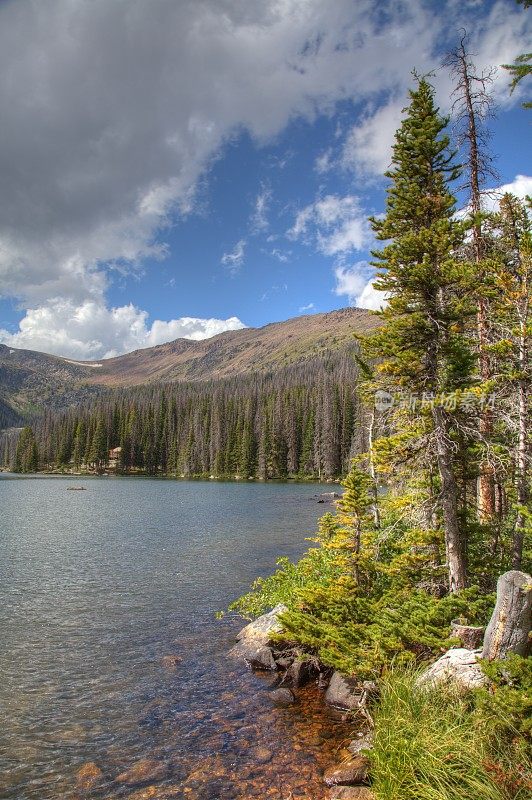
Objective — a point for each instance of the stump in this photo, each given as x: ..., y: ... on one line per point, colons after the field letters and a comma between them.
x: 509, y: 627
x: 470, y: 636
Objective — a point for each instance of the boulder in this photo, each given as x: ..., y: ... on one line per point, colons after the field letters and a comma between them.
x: 351, y: 793
x: 509, y: 627
x: 348, y: 773
x: 300, y: 673
x: 282, y: 697
x: 257, y: 655
x: 458, y: 666
x: 253, y: 641
x: 343, y: 693
x: 264, y: 626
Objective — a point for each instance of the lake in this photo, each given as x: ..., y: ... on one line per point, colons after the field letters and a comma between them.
x: 99, y: 590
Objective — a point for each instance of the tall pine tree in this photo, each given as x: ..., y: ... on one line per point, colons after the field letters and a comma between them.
x: 421, y: 344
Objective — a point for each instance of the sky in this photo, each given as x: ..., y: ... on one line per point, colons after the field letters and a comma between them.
x: 183, y: 167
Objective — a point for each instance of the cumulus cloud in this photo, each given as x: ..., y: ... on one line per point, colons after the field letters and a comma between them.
x: 353, y: 283
x: 117, y: 110
x: 336, y: 225
x: 521, y: 187
x: 368, y: 147
x: 495, y: 38
x: 90, y: 330
x: 235, y: 258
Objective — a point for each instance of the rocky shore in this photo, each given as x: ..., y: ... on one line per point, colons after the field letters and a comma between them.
x: 262, y: 647
x: 259, y: 645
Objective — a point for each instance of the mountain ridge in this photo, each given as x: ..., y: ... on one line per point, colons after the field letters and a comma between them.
x: 31, y: 382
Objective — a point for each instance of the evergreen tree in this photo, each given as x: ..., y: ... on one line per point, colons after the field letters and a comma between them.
x: 26, y: 454
x: 421, y: 344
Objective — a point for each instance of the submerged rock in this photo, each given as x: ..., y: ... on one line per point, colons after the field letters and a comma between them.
x: 143, y: 771
x: 351, y: 793
x: 343, y: 693
x: 171, y: 662
x: 349, y: 773
x: 89, y: 776
x: 458, y: 666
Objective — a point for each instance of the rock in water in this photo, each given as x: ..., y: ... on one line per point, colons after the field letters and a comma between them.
x: 257, y: 655
x: 263, y: 627
x: 351, y: 793
x: 458, y: 666
x: 509, y: 627
x: 343, y: 692
x: 349, y: 773
x: 253, y: 640
x: 282, y: 697
x: 143, y: 771
x: 89, y: 776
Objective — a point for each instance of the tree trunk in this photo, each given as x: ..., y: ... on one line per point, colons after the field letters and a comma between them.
x: 509, y: 627
x: 449, y: 502
x: 522, y: 477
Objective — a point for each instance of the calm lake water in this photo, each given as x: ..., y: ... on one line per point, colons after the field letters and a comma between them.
x: 97, y: 590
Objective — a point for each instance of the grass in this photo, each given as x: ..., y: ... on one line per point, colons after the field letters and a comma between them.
x: 431, y: 745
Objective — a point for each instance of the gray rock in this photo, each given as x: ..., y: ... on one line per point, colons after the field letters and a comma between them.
x: 300, y: 673
x: 509, y: 627
x: 253, y: 641
x: 458, y: 666
x: 343, y: 692
x: 348, y: 773
x: 257, y: 655
x: 264, y: 626
x: 282, y: 697
x: 364, y: 742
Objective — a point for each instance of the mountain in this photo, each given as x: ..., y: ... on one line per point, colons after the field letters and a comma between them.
x: 31, y: 382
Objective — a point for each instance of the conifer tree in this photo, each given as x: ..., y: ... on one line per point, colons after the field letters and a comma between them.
x: 421, y: 344
x: 26, y: 454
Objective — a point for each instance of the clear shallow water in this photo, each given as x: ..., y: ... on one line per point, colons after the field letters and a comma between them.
x: 97, y: 590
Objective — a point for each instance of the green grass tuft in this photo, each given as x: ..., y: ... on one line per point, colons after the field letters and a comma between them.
x: 429, y: 745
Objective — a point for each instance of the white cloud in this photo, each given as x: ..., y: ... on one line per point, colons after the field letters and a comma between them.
x: 368, y: 147
x: 90, y: 330
x: 308, y: 307
x: 521, y: 187
x: 117, y: 110
x: 353, y: 283
x: 335, y: 225
x: 259, y: 218
x: 235, y: 258
x: 324, y: 162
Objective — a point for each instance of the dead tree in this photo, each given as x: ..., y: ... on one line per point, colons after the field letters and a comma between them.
x: 472, y: 105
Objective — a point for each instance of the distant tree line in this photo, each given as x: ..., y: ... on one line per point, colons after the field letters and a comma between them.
x: 303, y: 421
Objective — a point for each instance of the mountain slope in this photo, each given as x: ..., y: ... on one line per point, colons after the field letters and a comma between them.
x: 31, y: 381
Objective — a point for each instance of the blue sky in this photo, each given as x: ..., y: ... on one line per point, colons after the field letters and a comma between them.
x: 197, y: 167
